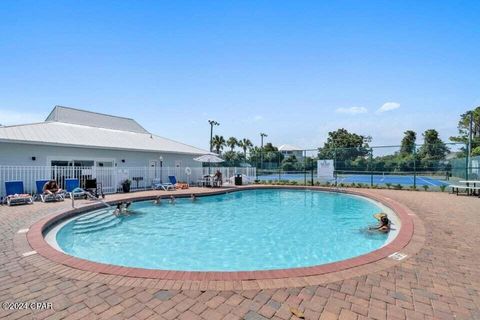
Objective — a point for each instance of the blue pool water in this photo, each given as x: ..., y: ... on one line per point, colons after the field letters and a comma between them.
x: 246, y: 230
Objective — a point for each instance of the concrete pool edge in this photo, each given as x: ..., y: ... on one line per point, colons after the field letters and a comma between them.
x: 37, y: 241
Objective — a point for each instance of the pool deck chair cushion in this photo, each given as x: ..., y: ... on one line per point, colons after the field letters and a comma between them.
x: 46, y: 197
x: 157, y: 185
x: 16, y: 193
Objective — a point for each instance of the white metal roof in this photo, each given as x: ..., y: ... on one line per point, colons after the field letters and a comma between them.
x: 289, y: 147
x: 67, y: 134
x: 93, y: 119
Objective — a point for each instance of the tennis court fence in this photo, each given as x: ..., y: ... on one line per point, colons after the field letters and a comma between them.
x: 430, y: 167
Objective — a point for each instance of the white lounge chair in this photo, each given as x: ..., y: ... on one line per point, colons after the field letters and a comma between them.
x: 157, y: 185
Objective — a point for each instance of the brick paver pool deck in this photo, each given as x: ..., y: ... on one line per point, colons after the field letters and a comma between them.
x: 439, y: 279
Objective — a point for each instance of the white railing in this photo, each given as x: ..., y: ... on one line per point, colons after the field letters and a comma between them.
x: 111, y: 177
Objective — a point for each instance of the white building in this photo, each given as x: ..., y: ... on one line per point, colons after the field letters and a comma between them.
x: 288, y: 150
x: 73, y: 137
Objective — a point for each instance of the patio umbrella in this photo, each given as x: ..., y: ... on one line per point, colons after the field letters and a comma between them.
x: 210, y: 158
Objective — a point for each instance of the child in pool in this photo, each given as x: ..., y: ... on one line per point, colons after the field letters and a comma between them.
x: 157, y: 200
x: 122, y: 208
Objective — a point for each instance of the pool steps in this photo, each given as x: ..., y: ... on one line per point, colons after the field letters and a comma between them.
x: 92, y: 215
x: 98, y: 227
x: 95, y: 222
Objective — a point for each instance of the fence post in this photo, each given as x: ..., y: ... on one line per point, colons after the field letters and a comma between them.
x: 304, y: 168
x: 311, y: 170
x: 335, y: 172
x: 415, y: 166
x: 370, y: 167
x: 467, y: 158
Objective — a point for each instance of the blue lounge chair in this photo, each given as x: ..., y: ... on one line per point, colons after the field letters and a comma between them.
x: 45, y: 197
x: 72, y: 187
x: 16, y: 193
x: 157, y: 185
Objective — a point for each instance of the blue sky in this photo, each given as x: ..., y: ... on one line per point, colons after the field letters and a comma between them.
x: 292, y: 69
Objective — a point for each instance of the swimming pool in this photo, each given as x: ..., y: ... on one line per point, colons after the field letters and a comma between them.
x: 261, y: 229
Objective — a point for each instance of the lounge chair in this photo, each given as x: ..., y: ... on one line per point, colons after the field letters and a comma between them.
x: 178, y: 185
x: 16, y: 194
x: 73, y: 189
x: 46, y: 197
x: 157, y: 185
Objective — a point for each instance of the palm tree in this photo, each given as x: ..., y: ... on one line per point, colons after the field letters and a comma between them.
x: 218, y: 142
x: 232, y: 142
x: 245, y: 144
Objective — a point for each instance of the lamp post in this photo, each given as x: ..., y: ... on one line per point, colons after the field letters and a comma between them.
x: 161, y: 165
x: 212, y: 123
x: 262, y: 135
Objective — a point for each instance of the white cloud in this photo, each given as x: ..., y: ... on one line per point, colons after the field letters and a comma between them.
x: 388, y: 106
x: 10, y: 117
x: 352, y: 110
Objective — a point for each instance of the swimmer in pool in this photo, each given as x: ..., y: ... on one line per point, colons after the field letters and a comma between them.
x: 193, y: 197
x: 383, y: 224
x: 157, y: 200
x: 172, y: 200
x: 122, y: 208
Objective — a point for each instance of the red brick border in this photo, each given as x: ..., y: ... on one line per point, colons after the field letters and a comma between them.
x: 36, y: 240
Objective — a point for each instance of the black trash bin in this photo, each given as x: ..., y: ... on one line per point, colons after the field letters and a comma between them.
x: 238, y: 179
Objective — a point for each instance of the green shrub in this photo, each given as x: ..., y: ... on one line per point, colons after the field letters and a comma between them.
x: 443, y: 187
x: 425, y: 187
x: 398, y: 186
x: 389, y: 185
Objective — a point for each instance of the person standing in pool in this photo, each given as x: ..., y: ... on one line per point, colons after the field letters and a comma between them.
x: 157, y: 200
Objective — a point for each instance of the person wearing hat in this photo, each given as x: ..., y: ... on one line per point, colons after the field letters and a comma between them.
x: 383, y: 223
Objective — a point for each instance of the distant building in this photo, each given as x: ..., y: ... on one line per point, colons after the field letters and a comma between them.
x: 73, y: 137
x: 288, y: 150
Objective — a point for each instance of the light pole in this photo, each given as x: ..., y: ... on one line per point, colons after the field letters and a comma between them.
x: 161, y: 165
x: 212, y: 123
x: 262, y: 135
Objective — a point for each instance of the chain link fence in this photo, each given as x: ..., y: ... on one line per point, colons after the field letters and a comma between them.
x: 429, y: 167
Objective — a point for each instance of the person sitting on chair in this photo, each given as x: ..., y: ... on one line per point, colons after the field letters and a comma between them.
x: 218, y: 178
x: 51, y: 187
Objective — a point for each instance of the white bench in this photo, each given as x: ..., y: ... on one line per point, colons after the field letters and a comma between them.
x: 456, y: 188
